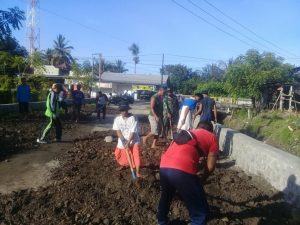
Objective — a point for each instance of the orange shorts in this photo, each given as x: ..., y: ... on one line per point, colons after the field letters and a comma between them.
x: 134, y: 153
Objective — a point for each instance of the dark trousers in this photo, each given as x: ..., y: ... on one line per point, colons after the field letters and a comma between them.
x: 101, y: 108
x: 190, y: 190
x: 76, y: 111
x: 58, y: 128
x: 23, y: 107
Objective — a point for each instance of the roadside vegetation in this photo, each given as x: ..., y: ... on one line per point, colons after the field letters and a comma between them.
x: 278, y: 129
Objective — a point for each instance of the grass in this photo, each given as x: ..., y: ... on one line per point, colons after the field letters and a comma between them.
x: 279, y: 129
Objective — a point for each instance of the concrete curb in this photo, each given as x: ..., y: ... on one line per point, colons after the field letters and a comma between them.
x: 279, y: 168
x: 35, y: 106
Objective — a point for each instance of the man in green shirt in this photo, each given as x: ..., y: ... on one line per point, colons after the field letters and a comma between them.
x: 170, y: 111
x: 52, y: 112
x: 155, y: 116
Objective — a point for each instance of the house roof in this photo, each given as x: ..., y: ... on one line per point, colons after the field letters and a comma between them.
x: 124, y: 78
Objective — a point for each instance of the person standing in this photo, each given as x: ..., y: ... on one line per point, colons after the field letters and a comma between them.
x: 126, y: 127
x: 23, y: 96
x: 178, y: 173
x: 62, y: 99
x: 170, y: 111
x: 101, y: 100
x: 78, y: 101
x: 185, y: 121
x: 155, y: 116
x: 207, y: 109
x: 52, y: 112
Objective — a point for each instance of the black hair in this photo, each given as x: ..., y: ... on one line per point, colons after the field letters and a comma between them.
x: 198, y: 95
x: 206, y: 126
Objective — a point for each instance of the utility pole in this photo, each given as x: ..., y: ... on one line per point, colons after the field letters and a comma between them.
x: 100, y: 69
x: 162, y: 69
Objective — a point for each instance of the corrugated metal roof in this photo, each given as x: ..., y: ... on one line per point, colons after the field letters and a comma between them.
x: 124, y: 78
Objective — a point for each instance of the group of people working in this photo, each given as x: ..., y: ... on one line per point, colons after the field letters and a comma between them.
x: 193, y: 141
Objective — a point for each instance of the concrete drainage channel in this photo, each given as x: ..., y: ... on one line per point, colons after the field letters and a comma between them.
x: 278, y: 168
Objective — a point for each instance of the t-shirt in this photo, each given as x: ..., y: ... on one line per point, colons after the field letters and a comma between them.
x: 126, y: 126
x: 78, y: 97
x: 191, y: 103
x: 207, y: 107
x: 186, y: 157
x: 102, y: 100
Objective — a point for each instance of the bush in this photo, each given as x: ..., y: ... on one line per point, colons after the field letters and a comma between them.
x: 7, y: 82
x: 6, y: 96
x: 216, y: 89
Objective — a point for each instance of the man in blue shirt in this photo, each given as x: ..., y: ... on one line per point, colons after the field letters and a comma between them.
x: 78, y: 101
x: 23, y: 96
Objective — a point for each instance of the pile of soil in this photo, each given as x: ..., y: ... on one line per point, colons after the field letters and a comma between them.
x: 20, y: 134
x: 87, y: 189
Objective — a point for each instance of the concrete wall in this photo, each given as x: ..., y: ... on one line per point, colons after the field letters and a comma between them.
x: 279, y: 168
x: 34, y: 106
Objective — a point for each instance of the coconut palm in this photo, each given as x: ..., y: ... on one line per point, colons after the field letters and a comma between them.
x: 135, y: 51
x: 49, y: 56
x: 62, y: 51
x: 11, y: 19
x: 120, y: 66
x: 19, y: 63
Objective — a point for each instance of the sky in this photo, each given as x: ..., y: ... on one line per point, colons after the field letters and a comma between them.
x: 190, y: 32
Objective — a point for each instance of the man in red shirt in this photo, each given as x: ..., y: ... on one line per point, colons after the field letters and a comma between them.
x: 178, y: 172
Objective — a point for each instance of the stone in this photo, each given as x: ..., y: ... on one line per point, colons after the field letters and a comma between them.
x: 108, y: 139
x: 106, y: 221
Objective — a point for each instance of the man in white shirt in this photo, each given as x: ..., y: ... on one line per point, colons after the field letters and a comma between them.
x: 127, y: 130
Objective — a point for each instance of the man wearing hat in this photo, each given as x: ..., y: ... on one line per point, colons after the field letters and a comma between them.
x: 207, y: 109
x: 127, y: 130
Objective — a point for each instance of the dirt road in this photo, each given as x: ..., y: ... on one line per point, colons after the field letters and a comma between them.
x: 86, y: 188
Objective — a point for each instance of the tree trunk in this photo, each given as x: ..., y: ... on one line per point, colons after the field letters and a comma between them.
x: 134, y: 68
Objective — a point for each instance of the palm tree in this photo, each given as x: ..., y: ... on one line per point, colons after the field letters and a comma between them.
x: 135, y: 51
x: 49, y: 56
x: 19, y: 63
x: 62, y: 51
x: 9, y: 20
x: 120, y: 66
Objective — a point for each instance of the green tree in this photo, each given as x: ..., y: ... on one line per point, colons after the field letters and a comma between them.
x: 120, y: 66
x: 83, y: 74
x: 19, y: 63
x: 5, y: 61
x: 135, y: 51
x: 178, y: 77
x: 49, y: 56
x: 10, y: 20
x: 251, y: 74
x: 62, y: 51
x: 212, y: 72
x: 215, y: 88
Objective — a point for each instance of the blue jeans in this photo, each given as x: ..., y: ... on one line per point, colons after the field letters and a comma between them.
x: 189, y: 189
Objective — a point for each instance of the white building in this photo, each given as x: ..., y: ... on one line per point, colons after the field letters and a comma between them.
x: 120, y: 82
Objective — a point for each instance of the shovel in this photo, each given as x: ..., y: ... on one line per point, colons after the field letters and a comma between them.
x: 130, y: 164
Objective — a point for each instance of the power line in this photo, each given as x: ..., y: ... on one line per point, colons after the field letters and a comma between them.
x: 211, y: 24
x: 85, y: 26
x: 246, y: 28
x: 230, y: 27
x: 192, y: 57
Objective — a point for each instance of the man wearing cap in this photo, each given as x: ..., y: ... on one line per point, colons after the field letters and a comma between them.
x: 156, y: 116
x: 127, y: 130
x: 207, y: 109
